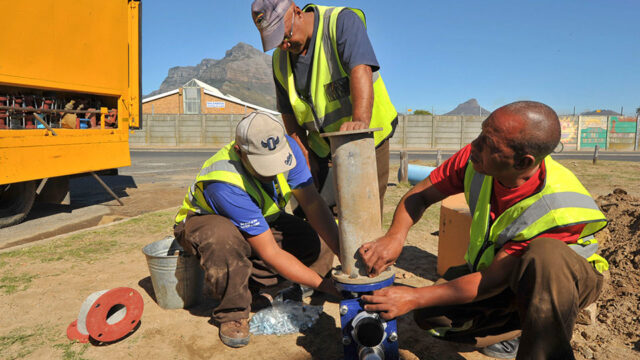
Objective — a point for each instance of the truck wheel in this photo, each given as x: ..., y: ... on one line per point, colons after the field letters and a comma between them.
x: 16, y: 201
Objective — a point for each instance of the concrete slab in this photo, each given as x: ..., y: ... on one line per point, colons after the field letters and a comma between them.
x: 48, y: 226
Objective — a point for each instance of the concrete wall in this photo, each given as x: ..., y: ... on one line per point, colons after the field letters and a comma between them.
x: 435, y: 132
x: 185, y: 131
x: 419, y: 132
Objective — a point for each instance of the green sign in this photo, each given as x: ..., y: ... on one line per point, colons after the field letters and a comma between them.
x: 618, y: 126
x: 591, y: 137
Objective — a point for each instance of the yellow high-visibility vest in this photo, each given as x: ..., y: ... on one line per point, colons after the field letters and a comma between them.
x: 226, y: 166
x: 563, y: 201
x: 330, y: 105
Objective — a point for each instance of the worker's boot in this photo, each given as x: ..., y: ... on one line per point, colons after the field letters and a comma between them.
x: 235, y: 333
x: 507, y: 349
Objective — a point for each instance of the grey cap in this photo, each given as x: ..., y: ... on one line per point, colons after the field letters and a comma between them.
x: 262, y: 137
x: 268, y: 15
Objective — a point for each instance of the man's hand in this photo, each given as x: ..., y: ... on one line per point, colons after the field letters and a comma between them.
x: 353, y: 125
x: 327, y: 286
x: 380, y: 254
x: 391, y: 302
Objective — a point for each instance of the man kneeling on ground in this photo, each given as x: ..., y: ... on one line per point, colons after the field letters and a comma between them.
x: 233, y: 219
x: 531, y: 262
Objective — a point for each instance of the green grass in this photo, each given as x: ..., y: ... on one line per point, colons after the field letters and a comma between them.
x: 72, y: 350
x: 21, y: 342
x: 10, y: 284
x: 83, y: 247
x: 93, y: 245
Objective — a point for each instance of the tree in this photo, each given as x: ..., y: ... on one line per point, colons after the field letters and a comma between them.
x: 425, y: 112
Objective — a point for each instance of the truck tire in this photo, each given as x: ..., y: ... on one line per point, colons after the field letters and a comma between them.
x: 16, y: 201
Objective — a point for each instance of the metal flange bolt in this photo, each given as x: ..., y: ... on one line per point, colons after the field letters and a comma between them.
x: 393, y: 336
x: 343, y: 310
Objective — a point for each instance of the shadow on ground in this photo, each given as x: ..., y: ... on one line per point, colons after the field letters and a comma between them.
x: 419, y: 262
x: 85, y: 191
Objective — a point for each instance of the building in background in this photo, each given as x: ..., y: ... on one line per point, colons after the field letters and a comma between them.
x: 197, y: 97
x: 601, y: 113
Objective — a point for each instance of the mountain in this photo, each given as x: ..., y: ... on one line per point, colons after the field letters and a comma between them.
x: 244, y: 72
x: 469, y: 107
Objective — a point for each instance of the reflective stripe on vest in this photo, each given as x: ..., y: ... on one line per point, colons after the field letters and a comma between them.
x: 330, y: 103
x: 563, y: 201
x: 226, y: 166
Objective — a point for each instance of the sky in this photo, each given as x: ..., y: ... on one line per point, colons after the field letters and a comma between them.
x: 434, y: 55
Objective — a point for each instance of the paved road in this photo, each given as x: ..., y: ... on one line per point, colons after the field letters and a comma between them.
x: 155, y: 165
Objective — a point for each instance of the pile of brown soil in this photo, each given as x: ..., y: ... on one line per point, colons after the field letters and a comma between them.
x: 616, y: 332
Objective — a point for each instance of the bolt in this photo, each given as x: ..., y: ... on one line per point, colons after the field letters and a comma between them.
x: 343, y: 310
x: 393, y: 336
x: 346, y: 340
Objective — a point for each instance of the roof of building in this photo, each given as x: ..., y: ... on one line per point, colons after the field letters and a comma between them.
x: 210, y: 90
x: 601, y: 112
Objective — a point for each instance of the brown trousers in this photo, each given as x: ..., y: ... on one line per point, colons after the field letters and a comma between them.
x: 547, y: 290
x: 229, y: 262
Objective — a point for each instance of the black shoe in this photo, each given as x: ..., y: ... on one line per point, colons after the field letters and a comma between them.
x: 507, y: 349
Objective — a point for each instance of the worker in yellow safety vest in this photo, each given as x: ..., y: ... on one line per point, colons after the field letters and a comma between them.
x: 531, y: 263
x: 327, y: 79
x: 233, y: 219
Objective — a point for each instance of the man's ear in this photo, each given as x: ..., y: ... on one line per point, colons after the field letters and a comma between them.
x: 525, y: 162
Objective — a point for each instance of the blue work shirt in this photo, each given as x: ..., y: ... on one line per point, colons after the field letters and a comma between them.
x: 238, y: 206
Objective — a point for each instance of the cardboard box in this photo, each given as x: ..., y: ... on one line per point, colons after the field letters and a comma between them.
x: 455, y: 222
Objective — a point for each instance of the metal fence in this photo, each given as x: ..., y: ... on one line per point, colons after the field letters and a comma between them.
x: 420, y: 132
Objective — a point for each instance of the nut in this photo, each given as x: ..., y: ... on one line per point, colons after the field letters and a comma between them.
x: 393, y: 336
x: 343, y: 310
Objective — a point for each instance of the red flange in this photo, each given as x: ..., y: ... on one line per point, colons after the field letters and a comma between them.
x: 74, y: 334
x: 114, y: 314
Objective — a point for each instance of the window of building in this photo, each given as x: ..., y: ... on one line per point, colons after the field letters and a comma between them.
x: 191, y: 97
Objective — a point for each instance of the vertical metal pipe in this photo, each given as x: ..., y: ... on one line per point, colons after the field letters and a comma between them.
x: 404, y: 167
x: 356, y: 183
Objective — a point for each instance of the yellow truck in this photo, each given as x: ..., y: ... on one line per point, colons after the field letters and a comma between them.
x: 69, y: 95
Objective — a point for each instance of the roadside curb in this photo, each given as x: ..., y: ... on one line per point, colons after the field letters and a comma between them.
x: 97, y: 227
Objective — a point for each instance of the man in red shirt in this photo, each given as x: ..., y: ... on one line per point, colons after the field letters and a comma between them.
x: 520, y: 273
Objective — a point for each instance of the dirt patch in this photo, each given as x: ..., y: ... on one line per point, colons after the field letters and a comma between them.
x: 616, y: 331
x: 43, y: 286
x: 148, y: 197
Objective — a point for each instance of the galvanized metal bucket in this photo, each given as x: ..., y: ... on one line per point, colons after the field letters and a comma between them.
x: 176, y: 276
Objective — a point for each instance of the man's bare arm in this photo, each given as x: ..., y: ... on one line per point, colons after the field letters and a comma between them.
x: 319, y: 216
x: 383, y: 252
x: 286, y: 264
x: 361, y: 87
x: 398, y: 300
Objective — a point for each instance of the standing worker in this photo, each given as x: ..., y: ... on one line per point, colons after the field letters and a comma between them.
x: 233, y: 219
x: 531, y: 262
x: 327, y: 79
